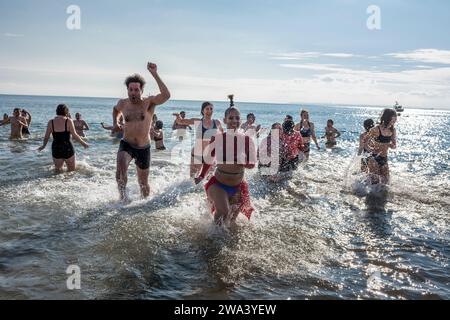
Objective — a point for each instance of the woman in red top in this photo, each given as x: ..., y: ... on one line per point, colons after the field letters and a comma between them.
x: 234, y: 152
x: 291, y: 146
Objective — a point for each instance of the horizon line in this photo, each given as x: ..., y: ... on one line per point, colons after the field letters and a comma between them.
x: 246, y: 102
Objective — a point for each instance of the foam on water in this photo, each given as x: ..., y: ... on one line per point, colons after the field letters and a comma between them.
x: 321, y: 232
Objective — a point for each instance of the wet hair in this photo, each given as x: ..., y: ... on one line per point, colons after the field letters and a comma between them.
x: 183, y: 112
x: 62, y: 110
x: 330, y: 121
x: 204, y: 106
x: 251, y: 115
x: 159, y: 124
x: 288, y: 126
x: 17, y: 110
x: 369, y: 124
x: 275, y: 125
x: 387, y: 116
x: 231, y: 109
x: 135, y: 78
x: 303, y: 112
x: 289, y: 117
x: 78, y: 114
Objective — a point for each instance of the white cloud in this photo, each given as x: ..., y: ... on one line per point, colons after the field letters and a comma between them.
x: 340, y: 55
x: 424, y: 55
x: 414, y: 87
x: 314, y: 66
x: 13, y: 35
x: 418, y: 85
x: 424, y: 67
x: 309, y: 55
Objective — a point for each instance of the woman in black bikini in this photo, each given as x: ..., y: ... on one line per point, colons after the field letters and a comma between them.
x: 61, y: 127
x: 206, y: 128
x: 380, y: 139
x: 158, y: 135
x: 331, y: 134
x: 308, y: 132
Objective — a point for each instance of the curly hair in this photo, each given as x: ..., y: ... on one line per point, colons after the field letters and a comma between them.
x: 135, y: 78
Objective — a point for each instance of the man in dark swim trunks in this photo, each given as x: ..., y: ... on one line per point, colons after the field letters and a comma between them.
x: 138, y: 114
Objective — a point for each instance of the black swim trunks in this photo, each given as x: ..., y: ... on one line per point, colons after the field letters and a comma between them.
x: 289, y: 165
x: 25, y: 131
x: 381, y: 161
x: 140, y: 155
x: 307, y: 147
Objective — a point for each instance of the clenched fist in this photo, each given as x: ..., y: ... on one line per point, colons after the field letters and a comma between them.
x: 153, y: 68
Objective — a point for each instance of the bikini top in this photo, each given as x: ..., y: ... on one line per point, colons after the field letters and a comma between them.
x: 306, y: 133
x: 211, y: 131
x: 61, y: 137
x: 383, y: 139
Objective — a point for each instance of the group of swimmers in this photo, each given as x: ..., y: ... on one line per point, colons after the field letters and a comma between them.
x: 20, y: 122
x: 221, y: 153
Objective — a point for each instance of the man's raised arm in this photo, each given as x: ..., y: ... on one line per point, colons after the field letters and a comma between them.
x: 164, y: 91
x: 5, y: 121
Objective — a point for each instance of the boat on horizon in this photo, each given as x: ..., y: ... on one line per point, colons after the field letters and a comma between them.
x: 399, y: 108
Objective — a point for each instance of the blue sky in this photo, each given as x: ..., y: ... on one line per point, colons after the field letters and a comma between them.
x: 261, y: 50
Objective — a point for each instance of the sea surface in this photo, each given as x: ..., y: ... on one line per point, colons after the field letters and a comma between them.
x: 319, y: 234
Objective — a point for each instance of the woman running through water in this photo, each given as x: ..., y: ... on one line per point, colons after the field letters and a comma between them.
x: 331, y: 134
x: 227, y: 190
x: 62, y: 128
x: 380, y: 139
x: 363, y: 149
x: 291, y: 146
x: 269, y: 157
x: 250, y: 127
x: 265, y: 147
x: 206, y: 128
x: 307, y: 131
x: 158, y: 135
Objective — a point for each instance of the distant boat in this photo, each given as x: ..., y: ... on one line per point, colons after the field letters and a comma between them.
x: 398, y: 107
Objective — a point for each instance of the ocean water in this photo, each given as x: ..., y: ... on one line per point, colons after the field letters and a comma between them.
x: 318, y: 234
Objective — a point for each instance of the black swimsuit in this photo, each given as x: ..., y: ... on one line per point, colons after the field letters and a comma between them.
x: 207, y: 134
x: 382, y: 161
x: 62, y: 147
x: 25, y: 131
x: 211, y: 133
x: 306, y: 133
x: 141, y: 155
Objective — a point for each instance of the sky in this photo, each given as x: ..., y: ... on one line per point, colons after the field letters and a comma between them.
x: 282, y: 51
